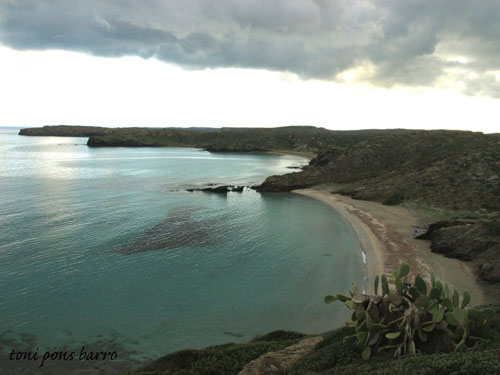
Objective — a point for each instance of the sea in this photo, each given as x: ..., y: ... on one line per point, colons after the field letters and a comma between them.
x: 106, y: 248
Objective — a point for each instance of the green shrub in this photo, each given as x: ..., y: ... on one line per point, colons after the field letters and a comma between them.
x: 468, y: 363
x: 394, y: 199
x: 410, y: 317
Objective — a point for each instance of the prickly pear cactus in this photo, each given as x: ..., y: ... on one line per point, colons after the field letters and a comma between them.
x: 403, y: 318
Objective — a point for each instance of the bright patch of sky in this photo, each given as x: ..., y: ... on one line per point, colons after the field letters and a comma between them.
x: 61, y: 87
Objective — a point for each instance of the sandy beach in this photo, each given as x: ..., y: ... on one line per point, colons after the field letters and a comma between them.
x: 386, y: 235
x: 306, y: 155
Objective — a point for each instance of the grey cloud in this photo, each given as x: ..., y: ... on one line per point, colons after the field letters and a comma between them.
x: 405, y: 41
x: 485, y: 85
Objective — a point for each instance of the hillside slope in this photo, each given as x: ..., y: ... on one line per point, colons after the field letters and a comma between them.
x: 448, y: 169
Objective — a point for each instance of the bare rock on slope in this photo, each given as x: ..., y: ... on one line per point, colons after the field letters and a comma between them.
x: 469, y: 240
x: 274, y: 363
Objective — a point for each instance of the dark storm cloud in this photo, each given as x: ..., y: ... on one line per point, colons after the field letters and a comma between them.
x: 409, y: 42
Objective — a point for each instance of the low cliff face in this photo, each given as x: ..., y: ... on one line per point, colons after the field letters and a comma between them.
x: 447, y: 169
x: 477, y: 241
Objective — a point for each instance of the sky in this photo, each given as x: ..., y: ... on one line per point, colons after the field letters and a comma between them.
x: 338, y: 64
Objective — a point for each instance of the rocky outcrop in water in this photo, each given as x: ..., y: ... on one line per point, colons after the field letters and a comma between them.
x: 217, y: 189
x: 221, y: 189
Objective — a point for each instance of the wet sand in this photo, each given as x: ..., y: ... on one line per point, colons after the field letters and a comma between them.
x: 386, y: 234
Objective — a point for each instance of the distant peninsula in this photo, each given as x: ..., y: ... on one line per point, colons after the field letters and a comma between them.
x: 64, y: 131
x: 306, y: 139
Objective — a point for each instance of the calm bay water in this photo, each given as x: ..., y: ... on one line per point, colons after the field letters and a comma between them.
x: 72, y: 272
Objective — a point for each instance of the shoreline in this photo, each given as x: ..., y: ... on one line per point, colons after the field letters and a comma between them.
x: 370, y: 245
x: 306, y: 155
x: 386, y: 237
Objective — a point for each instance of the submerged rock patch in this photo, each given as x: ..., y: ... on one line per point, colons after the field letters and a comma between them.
x: 177, y: 230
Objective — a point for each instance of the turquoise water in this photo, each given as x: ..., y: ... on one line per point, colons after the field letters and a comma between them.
x: 75, y: 223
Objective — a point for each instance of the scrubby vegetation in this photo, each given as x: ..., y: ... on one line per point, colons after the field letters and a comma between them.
x: 221, y: 359
x: 474, y: 362
x: 451, y: 170
x: 410, y: 318
x: 334, y: 357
